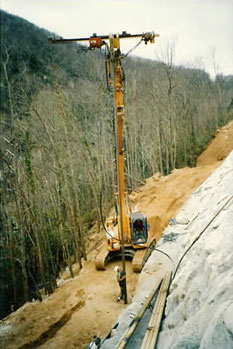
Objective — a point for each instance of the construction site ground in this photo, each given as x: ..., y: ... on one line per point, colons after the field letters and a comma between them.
x: 86, y: 305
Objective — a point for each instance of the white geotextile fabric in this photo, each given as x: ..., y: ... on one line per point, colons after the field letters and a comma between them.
x: 199, y: 310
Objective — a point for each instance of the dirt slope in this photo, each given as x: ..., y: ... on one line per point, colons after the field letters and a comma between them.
x: 220, y: 146
x: 86, y: 305
x: 162, y: 197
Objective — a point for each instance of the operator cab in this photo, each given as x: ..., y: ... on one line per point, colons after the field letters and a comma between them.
x: 139, y: 228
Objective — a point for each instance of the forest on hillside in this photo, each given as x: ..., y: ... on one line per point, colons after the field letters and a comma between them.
x: 57, y: 145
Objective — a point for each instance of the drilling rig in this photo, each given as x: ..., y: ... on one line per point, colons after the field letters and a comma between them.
x: 127, y: 234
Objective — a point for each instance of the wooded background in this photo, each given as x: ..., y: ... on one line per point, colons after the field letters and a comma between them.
x: 57, y: 145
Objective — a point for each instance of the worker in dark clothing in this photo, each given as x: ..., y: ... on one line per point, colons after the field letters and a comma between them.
x: 95, y: 344
x: 121, y: 278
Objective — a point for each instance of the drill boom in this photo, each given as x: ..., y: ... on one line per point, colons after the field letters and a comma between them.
x: 145, y: 36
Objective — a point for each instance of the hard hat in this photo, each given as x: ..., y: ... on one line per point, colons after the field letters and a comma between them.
x: 116, y: 268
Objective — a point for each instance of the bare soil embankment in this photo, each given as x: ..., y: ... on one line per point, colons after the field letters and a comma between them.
x: 86, y: 305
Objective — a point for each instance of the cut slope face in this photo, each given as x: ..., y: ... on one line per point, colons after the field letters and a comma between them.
x: 200, y: 305
x: 57, y: 318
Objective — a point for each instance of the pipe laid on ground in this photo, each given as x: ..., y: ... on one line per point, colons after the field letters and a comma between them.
x: 152, y: 331
x: 134, y: 323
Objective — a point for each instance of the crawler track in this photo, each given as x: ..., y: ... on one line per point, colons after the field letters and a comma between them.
x: 139, y: 257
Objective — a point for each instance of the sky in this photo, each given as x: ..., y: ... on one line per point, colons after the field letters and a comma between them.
x: 200, y: 30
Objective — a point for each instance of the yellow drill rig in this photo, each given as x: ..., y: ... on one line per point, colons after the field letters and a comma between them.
x: 127, y: 233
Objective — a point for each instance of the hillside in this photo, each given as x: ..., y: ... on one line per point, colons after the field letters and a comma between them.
x: 86, y: 305
x: 57, y: 174
x: 200, y: 304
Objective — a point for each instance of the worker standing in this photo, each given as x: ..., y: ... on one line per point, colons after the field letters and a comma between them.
x: 121, y: 278
x: 95, y: 344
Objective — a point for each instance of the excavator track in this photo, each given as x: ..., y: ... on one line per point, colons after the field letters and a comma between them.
x: 139, y: 257
x: 105, y: 256
x: 102, y: 259
x: 142, y: 255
